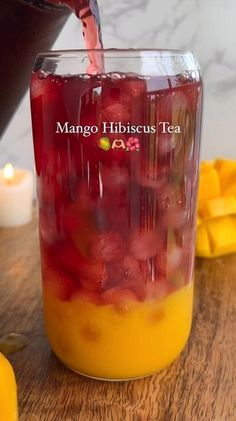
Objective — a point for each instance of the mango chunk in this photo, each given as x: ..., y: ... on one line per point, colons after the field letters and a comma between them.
x: 231, y: 189
x: 202, y: 242
x: 222, y: 235
x: 226, y: 169
x: 199, y: 220
x: 221, y: 206
x: 209, y: 184
x: 205, y: 165
x: 8, y: 394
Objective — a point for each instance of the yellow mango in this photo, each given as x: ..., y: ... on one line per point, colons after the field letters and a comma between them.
x: 8, y: 394
x: 199, y: 221
x: 202, y: 242
x: 205, y: 165
x: 222, y: 235
x: 230, y: 189
x: 209, y: 184
x: 226, y: 169
x: 221, y: 206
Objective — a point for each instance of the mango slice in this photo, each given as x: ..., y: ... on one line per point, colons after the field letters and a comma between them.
x: 202, y: 242
x: 209, y: 183
x: 8, y: 394
x: 226, y: 169
x: 221, y: 206
x: 231, y: 189
x: 216, y: 219
x: 199, y: 220
x: 222, y: 235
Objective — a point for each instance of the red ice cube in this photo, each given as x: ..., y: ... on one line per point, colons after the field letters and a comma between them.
x: 86, y: 295
x: 133, y: 87
x: 170, y: 196
x: 84, y: 196
x: 118, y: 296
x: 69, y: 258
x: 144, y: 244
x: 79, y: 226
x: 158, y: 290
x: 114, y: 177
x: 108, y: 246
x: 47, y: 225
x: 152, y: 176
x: 60, y: 283
x: 40, y: 85
x: 116, y: 109
x: 126, y: 275
x: 132, y: 277
x: 175, y: 217
x: 93, y: 276
x: 174, y: 259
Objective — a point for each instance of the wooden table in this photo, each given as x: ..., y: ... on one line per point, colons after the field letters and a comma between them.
x: 199, y: 386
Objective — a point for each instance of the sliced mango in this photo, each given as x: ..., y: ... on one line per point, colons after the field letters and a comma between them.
x: 230, y: 189
x: 226, y: 169
x: 199, y: 220
x: 209, y: 184
x: 216, y: 221
x: 202, y: 242
x: 204, y: 165
x: 8, y: 395
x: 222, y: 235
x: 221, y: 206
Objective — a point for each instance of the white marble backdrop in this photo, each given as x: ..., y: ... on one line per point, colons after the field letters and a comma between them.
x: 205, y: 26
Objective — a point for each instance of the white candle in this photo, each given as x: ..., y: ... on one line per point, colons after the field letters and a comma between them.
x: 16, y: 192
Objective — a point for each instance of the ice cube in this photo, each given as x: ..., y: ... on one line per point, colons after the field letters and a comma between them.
x: 116, y: 110
x: 144, y: 244
x: 114, y: 177
x: 108, y: 246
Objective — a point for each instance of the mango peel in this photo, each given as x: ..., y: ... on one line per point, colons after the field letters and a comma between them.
x: 216, y: 218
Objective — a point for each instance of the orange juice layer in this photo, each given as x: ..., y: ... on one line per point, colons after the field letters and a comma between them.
x: 131, y: 340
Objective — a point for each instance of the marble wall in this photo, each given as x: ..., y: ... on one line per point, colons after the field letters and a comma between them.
x: 205, y: 26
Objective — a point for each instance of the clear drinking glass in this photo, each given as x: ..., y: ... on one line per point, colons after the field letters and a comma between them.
x: 117, y: 167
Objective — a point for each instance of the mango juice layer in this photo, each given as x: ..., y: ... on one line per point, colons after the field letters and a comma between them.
x: 129, y: 340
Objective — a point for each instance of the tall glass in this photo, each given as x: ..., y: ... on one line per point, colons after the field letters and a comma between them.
x: 117, y: 167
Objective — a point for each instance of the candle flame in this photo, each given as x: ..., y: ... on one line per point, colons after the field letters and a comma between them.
x: 8, y: 172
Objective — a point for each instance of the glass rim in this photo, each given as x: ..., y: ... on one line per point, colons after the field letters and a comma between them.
x: 128, y: 52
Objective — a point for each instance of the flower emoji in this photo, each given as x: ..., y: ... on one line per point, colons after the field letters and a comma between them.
x: 133, y: 144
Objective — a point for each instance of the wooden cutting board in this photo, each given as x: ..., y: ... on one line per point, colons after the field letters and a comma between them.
x: 199, y: 386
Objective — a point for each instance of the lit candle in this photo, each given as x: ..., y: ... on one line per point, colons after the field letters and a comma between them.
x: 16, y: 192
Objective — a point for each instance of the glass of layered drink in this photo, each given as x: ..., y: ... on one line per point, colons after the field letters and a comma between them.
x: 116, y: 156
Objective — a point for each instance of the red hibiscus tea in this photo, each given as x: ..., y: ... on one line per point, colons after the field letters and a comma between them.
x: 117, y: 163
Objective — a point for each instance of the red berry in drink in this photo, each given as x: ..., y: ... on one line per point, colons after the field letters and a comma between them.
x: 108, y: 247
